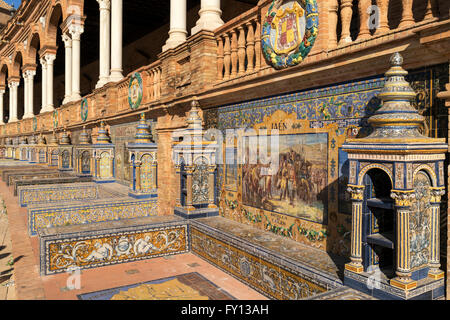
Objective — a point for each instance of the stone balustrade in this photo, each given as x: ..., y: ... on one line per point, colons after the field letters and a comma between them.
x: 239, y: 46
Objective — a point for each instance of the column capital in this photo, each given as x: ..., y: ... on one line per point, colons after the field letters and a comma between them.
x: 50, y: 58
x: 43, y: 62
x: 29, y: 73
x: 13, y: 83
x: 104, y: 4
x: 66, y: 38
x: 76, y: 30
x: 436, y: 194
x: 356, y: 192
x: 403, y: 198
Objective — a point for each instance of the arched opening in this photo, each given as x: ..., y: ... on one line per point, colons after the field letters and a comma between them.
x: 378, y: 223
x: 35, y: 46
x: 17, y: 67
x: 3, y: 80
x: 59, y: 64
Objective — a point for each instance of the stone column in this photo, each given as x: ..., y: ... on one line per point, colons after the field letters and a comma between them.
x: 68, y: 67
x: 383, y: 26
x: 403, y: 201
x: 333, y: 6
x: 116, y: 40
x: 364, y: 32
x: 357, y: 196
x: 76, y: 31
x: 13, y: 85
x: 177, y: 32
x: 28, y: 75
x: 50, y: 58
x: 346, y: 17
x: 407, y: 15
x: 105, y: 45
x: 2, y: 93
x: 434, y: 262
x: 210, y: 16
x: 44, y: 84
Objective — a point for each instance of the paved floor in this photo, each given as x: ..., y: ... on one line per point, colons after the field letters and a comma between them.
x: 29, y: 285
x: 7, y: 288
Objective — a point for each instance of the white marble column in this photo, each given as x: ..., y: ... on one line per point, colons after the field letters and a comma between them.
x: 50, y: 58
x: 44, y: 84
x: 2, y: 93
x: 25, y: 94
x: 76, y: 31
x: 210, y: 16
x: 116, y: 40
x: 13, y: 85
x: 105, y: 44
x: 68, y: 67
x: 177, y: 32
x: 28, y: 76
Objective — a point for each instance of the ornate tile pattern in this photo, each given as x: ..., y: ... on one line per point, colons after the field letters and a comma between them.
x: 105, y: 244
x: 30, y: 195
x: 77, y: 213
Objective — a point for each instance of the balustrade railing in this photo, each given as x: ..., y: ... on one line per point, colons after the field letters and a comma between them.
x: 239, y: 46
x: 370, y: 19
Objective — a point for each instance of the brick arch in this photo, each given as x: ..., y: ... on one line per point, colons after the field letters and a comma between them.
x: 51, y: 24
x: 4, y: 73
x: 17, y: 63
x: 34, y: 42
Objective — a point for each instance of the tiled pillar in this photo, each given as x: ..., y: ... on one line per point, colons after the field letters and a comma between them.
x: 357, y: 196
x: 403, y: 201
x: 434, y: 263
x: 189, y: 171
x: 211, y: 185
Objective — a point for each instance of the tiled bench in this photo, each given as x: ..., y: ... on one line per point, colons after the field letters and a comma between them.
x: 277, y: 267
x: 45, y: 194
x: 113, y: 242
x: 78, y: 212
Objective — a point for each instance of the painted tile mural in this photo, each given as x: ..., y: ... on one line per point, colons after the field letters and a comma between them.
x: 305, y: 197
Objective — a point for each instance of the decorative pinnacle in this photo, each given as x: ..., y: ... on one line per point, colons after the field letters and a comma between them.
x: 84, y: 136
x: 143, y: 134
x: 397, y: 118
x: 396, y: 60
x: 102, y: 134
